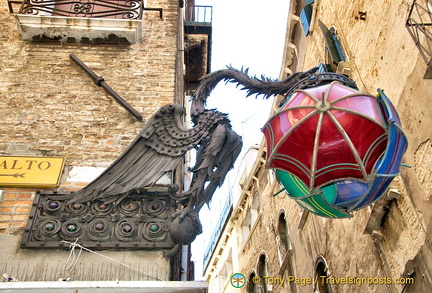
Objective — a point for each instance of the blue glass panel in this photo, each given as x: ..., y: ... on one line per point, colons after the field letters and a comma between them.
x: 348, y: 191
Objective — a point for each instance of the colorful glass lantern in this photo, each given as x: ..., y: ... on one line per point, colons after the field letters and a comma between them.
x: 335, y: 149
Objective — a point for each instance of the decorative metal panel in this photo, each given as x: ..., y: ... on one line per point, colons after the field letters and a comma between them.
x: 139, y: 221
x: 122, y: 9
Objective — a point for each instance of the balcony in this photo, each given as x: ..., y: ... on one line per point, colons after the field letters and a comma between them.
x: 87, y: 21
x: 223, y: 218
x: 198, y: 31
x: 419, y: 25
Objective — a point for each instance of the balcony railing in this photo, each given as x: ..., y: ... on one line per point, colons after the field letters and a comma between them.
x: 121, y: 9
x: 198, y: 21
x: 90, y: 21
x: 199, y: 14
x: 419, y: 25
x: 225, y: 213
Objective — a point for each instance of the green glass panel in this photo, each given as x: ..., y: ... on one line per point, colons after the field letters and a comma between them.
x: 329, y: 193
x: 293, y: 186
x: 317, y: 204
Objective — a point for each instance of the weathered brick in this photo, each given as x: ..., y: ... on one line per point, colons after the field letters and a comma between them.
x: 17, y: 218
x: 26, y: 195
x: 7, y: 203
x: 19, y: 224
x: 22, y: 210
x: 5, y: 210
x: 9, y: 195
x: 5, y: 217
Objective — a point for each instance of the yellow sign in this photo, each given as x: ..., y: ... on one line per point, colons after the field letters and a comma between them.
x: 30, y: 171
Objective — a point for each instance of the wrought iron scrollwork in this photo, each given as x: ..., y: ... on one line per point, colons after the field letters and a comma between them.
x: 71, y: 230
x: 47, y: 230
x: 154, y: 231
x: 99, y: 230
x: 155, y: 207
x: 126, y: 230
x: 102, y: 209
x: 122, y: 9
x: 129, y: 207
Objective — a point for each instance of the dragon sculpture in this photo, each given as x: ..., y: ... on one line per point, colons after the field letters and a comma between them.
x: 163, y: 142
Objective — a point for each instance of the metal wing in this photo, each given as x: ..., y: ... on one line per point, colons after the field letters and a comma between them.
x: 158, y: 148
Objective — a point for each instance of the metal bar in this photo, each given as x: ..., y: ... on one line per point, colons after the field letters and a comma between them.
x: 10, y: 2
x: 155, y: 9
x: 101, y: 82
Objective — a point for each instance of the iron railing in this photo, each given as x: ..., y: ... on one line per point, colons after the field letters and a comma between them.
x: 225, y: 213
x: 121, y: 9
x: 419, y: 25
x: 199, y: 14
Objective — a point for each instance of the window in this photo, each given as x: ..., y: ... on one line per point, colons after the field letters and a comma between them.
x: 262, y: 271
x: 251, y: 286
x: 306, y: 16
x: 255, y: 209
x: 283, y: 233
x: 246, y: 226
x: 251, y: 218
x: 321, y: 275
x: 226, y: 271
x: 333, y: 44
x: 284, y: 247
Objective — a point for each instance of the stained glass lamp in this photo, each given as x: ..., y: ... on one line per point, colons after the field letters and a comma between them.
x: 335, y: 149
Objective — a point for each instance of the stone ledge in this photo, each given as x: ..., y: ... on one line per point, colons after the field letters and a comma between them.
x: 79, y: 29
x: 108, y: 286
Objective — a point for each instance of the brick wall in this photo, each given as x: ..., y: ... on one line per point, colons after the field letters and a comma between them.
x: 50, y: 107
x: 15, y: 207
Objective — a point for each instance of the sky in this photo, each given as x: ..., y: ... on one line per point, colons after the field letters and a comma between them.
x: 248, y: 34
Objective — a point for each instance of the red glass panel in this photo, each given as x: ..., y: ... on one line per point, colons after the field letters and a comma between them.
x: 351, y: 138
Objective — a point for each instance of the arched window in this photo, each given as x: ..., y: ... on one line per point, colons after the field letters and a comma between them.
x: 262, y: 271
x: 251, y: 287
x: 283, y: 232
x: 321, y: 275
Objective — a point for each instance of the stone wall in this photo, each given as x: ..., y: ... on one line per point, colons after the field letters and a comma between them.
x: 381, y: 54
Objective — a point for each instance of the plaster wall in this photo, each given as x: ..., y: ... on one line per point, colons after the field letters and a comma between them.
x: 381, y: 54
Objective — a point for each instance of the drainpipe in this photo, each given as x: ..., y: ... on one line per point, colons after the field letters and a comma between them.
x: 179, y: 99
x: 184, y: 263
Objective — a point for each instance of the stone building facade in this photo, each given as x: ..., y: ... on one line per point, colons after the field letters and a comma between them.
x: 385, y: 247
x: 51, y: 108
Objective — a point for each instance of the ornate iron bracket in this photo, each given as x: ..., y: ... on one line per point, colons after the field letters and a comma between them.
x: 140, y: 221
x: 316, y: 79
